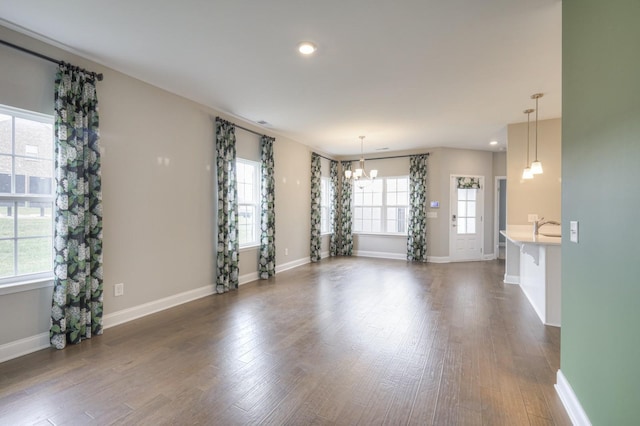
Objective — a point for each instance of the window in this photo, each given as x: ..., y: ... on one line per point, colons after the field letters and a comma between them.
x: 326, y: 195
x: 248, y: 176
x: 382, y: 206
x: 26, y: 194
x: 467, y: 210
x: 397, y: 204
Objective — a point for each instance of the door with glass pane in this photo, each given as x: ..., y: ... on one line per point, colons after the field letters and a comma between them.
x: 466, y: 218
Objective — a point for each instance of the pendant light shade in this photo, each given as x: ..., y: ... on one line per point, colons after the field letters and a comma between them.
x: 536, y: 166
x: 527, y: 172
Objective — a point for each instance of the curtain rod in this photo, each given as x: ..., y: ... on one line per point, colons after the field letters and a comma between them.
x: 249, y: 130
x: 371, y: 159
x: 46, y: 58
x: 243, y: 128
x: 390, y: 157
x: 322, y: 156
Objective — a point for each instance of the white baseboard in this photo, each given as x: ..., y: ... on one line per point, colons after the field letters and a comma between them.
x: 380, y: 254
x: 247, y: 278
x: 126, y: 315
x: 511, y: 279
x: 24, y: 346
x: 438, y: 259
x: 292, y: 264
x: 324, y: 254
x: 570, y: 401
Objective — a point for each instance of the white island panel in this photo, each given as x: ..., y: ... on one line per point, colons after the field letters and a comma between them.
x: 533, y: 262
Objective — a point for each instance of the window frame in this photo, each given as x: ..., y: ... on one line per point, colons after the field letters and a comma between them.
x: 384, y: 206
x: 326, y: 195
x: 257, y: 204
x: 27, y: 281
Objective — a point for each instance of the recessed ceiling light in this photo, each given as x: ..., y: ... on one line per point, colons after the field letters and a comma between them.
x: 493, y: 143
x: 307, y: 48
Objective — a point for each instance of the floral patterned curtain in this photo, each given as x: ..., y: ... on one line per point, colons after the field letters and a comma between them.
x: 468, y: 183
x: 333, y: 208
x: 228, y: 241
x: 76, y: 311
x: 267, y: 263
x: 315, y: 249
x: 345, y: 247
x: 417, y: 233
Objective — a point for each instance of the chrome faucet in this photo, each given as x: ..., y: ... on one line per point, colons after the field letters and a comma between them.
x: 538, y: 224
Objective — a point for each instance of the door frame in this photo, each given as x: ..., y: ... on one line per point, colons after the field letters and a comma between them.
x: 496, y: 215
x: 480, y: 211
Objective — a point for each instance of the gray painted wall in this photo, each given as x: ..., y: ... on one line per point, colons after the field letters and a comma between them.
x: 158, y: 189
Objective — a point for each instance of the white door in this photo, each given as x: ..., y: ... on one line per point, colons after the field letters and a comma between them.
x: 466, y: 221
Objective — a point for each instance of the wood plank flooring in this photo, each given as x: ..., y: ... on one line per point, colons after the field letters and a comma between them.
x: 346, y: 341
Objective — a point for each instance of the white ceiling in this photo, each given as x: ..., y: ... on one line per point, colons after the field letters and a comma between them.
x: 408, y: 74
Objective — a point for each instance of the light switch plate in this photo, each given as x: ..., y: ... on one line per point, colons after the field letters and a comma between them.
x: 432, y: 215
x: 573, y: 231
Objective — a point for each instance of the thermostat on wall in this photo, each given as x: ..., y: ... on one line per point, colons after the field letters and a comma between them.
x: 435, y: 204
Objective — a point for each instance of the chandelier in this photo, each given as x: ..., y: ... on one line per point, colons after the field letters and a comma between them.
x: 360, y: 175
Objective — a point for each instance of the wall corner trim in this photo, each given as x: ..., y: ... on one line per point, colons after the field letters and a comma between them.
x: 293, y: 264
x: 438, y: 259
x: 24, y: 346
x: 570, y: 401
x: 126, y: 315
x: 380, y: 255
x: 512, y: 279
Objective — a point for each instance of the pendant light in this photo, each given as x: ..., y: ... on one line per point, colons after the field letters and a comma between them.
x: 536, y: 166
x: 360, y: 175
x: 526, y: 173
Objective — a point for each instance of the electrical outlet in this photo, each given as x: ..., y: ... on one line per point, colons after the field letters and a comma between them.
x: 532, y: 218
x: 286, y: 252
x: 118, y: 289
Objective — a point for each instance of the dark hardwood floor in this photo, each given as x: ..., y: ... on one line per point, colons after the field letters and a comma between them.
x: 345, y: 341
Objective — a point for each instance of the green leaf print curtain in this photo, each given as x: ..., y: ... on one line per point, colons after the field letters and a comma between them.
x: 346, y: 237
x: 315, y: 249
x: 333, y: 208
x: 417, y: 233
x: 468, y: 183
x: 228, y: 242
x: 76, y: 311
x: 267, y: 262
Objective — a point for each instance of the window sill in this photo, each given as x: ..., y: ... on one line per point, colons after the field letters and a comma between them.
x: 249, y: 248
x: 27, y: 285
x: 381, y: 234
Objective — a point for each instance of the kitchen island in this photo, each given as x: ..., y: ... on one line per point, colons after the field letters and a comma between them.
x: 533, y: 262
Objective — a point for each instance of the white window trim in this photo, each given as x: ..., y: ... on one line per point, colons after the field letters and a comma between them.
x: 326, y: 179
x: 383, y: 218
x: 258, y: 192
x: 34, y: 281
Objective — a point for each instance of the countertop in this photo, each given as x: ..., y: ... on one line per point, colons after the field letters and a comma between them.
x: 522, y: 236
